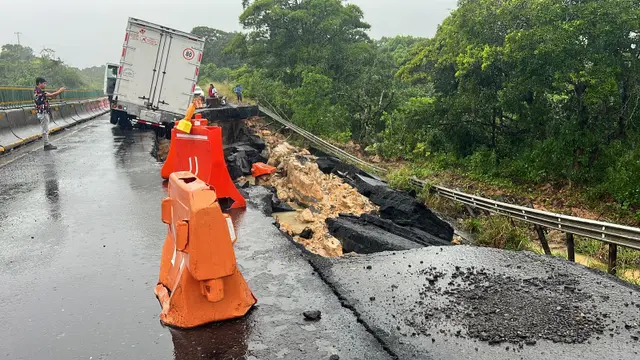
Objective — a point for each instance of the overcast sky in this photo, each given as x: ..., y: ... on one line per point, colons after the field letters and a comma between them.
x: 89, y: 32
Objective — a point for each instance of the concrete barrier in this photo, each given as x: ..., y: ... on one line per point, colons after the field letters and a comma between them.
x: 8, y: 139
x: 68, y: 113
x: 88, y: 108
x: 95, y: 107
x: 56, y: 116
x: 75, y: 117
x: 21, y: 126
x: 18, y: 122
x: 81, y: 110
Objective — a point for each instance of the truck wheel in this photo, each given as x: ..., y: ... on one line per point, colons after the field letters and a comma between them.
x: 167, y: 130
x: 114, y: 118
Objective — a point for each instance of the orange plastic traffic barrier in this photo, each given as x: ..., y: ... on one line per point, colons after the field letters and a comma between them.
x: 199, y: 121
x: 200, y: 152
x: 199, y: 281
x: 260, y: 169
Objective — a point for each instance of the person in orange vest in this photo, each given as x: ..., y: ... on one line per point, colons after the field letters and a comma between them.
x: 43, y: 112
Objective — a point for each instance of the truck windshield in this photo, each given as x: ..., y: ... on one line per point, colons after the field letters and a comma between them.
x: 113, y: 72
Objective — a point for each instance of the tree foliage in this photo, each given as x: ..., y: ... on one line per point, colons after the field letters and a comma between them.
x: 20, y: 67
x: 216, y: 41
x: 525, y: 90
x: 549, y: 89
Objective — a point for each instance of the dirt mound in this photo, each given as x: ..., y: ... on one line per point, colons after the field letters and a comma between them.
x: 498, y: 308
x: 300, y: 181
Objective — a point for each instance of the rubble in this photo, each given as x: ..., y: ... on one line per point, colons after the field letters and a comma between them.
x: 300, y: 181
x: 402, y: 208
x: 369, y: 233
x: 362, y: 238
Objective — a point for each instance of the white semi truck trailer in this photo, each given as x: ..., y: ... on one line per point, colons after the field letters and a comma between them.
x: 157, y: 75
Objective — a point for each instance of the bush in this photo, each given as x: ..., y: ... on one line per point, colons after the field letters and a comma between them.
x: 622, y: 179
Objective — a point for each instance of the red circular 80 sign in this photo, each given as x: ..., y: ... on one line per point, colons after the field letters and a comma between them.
x: 188, y: 53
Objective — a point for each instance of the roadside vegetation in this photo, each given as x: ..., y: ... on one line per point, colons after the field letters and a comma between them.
x: 19, y: 66
x: 535, y: 103
x: 521, y: 93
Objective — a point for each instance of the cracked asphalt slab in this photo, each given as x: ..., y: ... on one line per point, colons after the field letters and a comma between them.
x: 478, y: 303
x: 80, y: 245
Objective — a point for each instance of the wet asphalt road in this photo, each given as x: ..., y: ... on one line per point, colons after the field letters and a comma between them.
x: 391, y: 305
x: 80, y: 243
x: 81, y: 237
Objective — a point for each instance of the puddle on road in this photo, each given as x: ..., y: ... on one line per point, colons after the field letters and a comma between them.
x: 291, y: 219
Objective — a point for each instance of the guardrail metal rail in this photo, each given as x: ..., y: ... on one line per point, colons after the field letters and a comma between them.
x: 612, y: 234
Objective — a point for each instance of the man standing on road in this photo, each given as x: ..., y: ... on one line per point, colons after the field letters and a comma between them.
x: 41, y: 98
x: 238, y: 91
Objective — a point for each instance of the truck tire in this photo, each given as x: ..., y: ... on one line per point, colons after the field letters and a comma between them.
x: 114, y: 117
x: 167, y: 130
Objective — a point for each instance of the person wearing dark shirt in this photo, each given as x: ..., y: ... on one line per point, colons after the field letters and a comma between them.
x: 43, y: 112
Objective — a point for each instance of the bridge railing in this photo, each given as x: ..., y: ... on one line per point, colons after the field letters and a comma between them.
x: 13, y: 97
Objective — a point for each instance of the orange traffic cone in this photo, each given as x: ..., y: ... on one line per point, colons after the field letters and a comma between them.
x: 199, y: 278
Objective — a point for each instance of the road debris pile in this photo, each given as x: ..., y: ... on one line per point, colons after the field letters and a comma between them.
x: 320, y: 196
x: 404, y: 222
x: 498, y: 309
x: 335, y: 192
x: 241, y: 156
x: 325, y: 204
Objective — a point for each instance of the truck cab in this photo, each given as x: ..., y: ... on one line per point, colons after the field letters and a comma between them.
x: 110, y: 78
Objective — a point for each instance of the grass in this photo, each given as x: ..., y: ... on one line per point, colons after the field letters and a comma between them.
x: 501, y: 232
x: 498, y: 232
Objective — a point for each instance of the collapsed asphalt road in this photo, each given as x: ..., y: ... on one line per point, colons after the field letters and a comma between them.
x: 81, y: 241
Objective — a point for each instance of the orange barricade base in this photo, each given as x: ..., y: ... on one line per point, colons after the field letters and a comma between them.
x: 199, y: 281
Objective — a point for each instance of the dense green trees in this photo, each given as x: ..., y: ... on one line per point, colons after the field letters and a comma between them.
x: 525, y: 90
x: 537, y: 91
x: 20, y: 67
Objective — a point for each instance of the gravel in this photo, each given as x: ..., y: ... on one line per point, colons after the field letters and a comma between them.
x: 497, y: 309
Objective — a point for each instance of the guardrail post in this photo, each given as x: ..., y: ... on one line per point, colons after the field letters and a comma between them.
x: 543, y: 239
x: 571, y: 248
x: 613, y: 258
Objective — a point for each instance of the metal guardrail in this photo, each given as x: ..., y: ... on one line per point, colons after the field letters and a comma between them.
x: 14, y: 97
x: 606, y: 232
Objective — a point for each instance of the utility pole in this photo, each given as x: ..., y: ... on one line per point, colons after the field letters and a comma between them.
x: 18, y: 33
